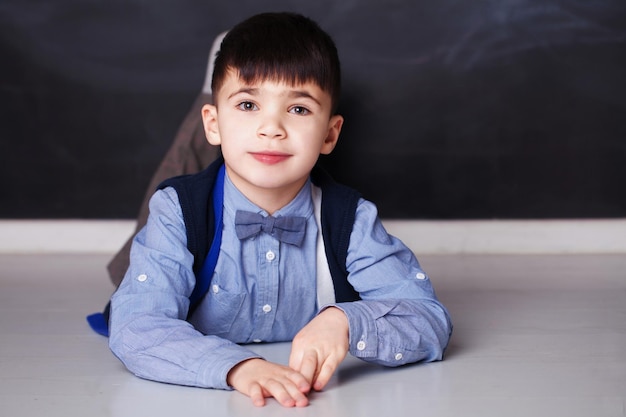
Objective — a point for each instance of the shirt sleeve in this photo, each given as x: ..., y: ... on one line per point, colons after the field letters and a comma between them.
x: 148, y: 330
x: 399, y: 319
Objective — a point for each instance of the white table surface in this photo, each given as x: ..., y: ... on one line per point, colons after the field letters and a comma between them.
x: 534, y: 336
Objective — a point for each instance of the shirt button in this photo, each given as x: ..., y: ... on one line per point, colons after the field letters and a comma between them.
x: 216, y: 289
x: 420, y: 275
x: 142, y: 277
x: 257, y: 340
x: 270, y: 256
x: 360, y: 345
x: 267, y: 308
x: 398, y: 356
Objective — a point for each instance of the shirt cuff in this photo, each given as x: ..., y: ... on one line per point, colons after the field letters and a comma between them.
x: 363, y: 335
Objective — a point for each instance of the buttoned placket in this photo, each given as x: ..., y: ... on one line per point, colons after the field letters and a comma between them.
x: 268, y: 257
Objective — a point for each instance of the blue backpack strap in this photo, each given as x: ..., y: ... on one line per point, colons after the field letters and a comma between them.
x: 203, y: 279
x: 99, y: 322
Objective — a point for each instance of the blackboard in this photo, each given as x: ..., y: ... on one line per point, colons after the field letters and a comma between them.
x: 454, y: 109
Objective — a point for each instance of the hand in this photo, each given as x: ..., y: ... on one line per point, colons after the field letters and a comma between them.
x: 260, y: 379
x: 319, y: 348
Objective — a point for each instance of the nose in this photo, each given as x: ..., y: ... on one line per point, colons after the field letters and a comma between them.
x: 271, y: 127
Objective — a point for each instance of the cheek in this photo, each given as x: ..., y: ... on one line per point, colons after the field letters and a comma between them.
x: 233, y: 132
x: 310, y: 132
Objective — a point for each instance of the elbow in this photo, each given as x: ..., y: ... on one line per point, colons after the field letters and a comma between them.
x: 444, y: 336
x: 120, y: 349
x: 435, y: 341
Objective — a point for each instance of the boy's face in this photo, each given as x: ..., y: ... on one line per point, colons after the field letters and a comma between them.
x: 271, y: 134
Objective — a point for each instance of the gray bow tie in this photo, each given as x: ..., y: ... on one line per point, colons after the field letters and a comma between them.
x: 286, y: 229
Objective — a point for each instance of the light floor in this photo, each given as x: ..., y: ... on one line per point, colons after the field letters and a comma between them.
x: 534, y: 336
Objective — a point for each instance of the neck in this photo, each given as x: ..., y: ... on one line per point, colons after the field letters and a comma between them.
x: 271, y: 204
x: 269, y: 199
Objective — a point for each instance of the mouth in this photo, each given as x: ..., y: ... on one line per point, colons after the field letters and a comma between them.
x: 270, y: 157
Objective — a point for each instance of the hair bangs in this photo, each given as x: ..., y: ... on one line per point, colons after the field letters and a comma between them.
x: 289, y: 68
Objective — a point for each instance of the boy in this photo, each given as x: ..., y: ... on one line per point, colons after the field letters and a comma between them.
x: 301, y: 258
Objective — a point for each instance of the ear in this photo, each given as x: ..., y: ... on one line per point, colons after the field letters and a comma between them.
x: 211, y: 128
x: 334, y: 128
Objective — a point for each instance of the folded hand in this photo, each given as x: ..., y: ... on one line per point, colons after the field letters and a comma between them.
x: 319, y: 348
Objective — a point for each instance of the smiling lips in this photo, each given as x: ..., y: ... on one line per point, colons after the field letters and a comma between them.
x: 269, y: 157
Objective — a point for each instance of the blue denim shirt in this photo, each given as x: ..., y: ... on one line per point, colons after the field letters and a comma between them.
x: 264, y: 291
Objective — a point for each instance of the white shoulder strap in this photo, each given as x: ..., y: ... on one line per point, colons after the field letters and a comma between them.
x: 217, y: 43
x: 325, y: 288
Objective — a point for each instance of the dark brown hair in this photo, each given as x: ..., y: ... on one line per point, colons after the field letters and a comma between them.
x: 284, y: 47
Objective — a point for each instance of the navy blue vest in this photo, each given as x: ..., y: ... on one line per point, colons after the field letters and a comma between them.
x: 339, y: 205
x: 195, y: 193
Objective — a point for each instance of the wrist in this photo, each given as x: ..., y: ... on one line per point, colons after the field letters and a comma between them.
x: 338, y: 318
x: 238, y: 370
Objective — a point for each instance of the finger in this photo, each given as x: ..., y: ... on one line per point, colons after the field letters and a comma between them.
x: 309, y: 366
x: 298, y: 380
x: 256, y: 395
x: 303, y: 381
x: 325, y: 373
x: 295, y: 359
x: 282, y: 391
x: 299, y: 397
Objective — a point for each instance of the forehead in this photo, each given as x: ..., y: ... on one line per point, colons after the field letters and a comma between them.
x: 234, y: 83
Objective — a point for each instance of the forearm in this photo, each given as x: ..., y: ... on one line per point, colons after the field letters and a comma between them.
x: 148, y: 331
x: 159, y: 348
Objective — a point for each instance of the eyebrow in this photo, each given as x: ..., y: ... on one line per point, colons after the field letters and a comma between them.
x: 292, y: 93
x: 303, y: 94
x: 246, y: 90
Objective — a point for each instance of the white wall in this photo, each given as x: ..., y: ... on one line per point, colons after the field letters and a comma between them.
x: 423, y: 237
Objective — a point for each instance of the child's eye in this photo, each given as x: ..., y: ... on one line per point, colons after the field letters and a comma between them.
x: 299, y: 110
x: 247, y: 106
